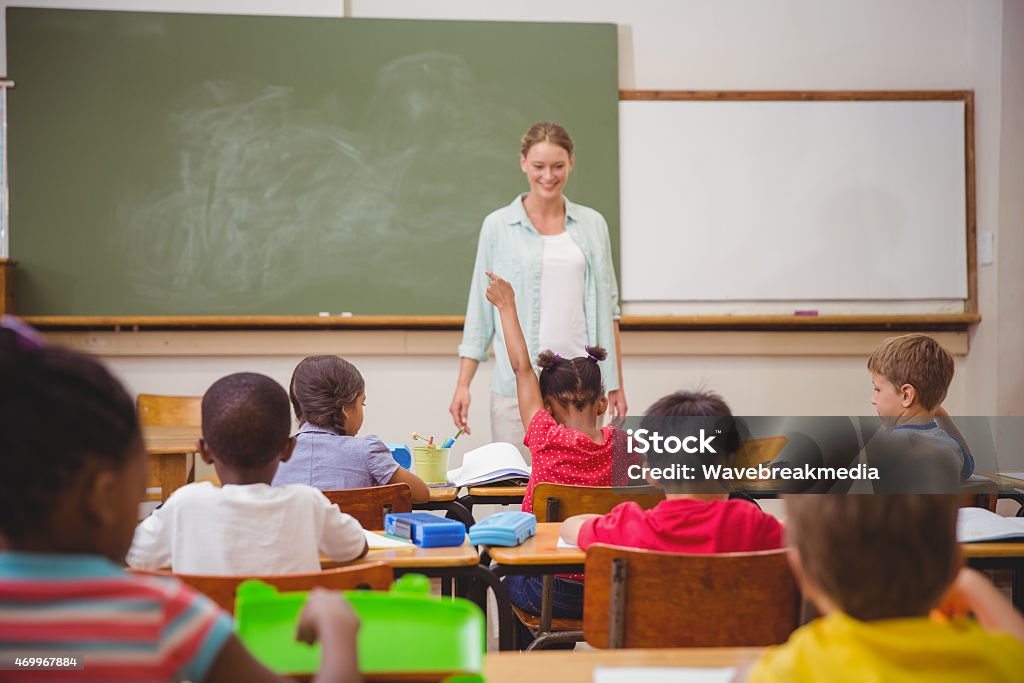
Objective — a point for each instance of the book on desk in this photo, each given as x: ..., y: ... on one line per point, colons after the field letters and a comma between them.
x: 977, y: 524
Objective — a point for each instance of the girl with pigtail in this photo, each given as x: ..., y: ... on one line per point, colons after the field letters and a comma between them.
x: 561, y: 412
x: 328, y: 395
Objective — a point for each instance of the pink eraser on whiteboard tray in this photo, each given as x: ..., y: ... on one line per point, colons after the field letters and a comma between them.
x: 805, y: 313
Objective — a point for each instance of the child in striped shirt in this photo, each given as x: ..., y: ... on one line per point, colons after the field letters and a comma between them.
x: 74, y: 473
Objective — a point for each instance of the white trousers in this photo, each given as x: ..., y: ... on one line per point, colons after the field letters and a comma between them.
x: 506, y: 424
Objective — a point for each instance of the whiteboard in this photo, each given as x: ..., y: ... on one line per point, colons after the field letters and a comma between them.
x: 793, y: 200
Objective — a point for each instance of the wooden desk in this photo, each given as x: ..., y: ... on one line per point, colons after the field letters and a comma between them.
x: 170, y: 450
x: 540, y: 551
x: 994, y: 549
x: 443, y: 494
x: 415, y: 557
x: 578, y: 667
x: 497, y: 491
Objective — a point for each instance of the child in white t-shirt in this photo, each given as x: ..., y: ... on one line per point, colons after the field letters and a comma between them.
x: 245, y: 526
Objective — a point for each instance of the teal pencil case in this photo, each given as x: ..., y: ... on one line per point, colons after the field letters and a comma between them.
x: 504, y: 529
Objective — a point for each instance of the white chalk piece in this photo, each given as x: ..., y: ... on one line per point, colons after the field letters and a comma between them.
x: 346, y: 314
x: 325, y: 314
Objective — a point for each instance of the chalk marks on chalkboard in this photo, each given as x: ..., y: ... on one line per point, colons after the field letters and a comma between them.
x: 269, y: 182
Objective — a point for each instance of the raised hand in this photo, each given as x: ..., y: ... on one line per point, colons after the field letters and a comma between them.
x: 500, y: 292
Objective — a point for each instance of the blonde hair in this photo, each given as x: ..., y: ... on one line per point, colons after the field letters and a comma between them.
x: 917, y: 360
x: 546, y: 131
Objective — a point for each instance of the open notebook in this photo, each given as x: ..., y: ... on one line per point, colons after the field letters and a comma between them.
x: 488, y: 464
x: 978, y: 524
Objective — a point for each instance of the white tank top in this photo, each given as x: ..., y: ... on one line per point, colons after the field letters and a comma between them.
x: 563, y: 325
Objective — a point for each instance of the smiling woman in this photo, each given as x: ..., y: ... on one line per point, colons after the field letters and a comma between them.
x: 557, y: 256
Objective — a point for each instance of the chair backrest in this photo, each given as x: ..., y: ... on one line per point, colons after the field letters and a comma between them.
x: 754, y: 452
x: 369, y: 505
x: 154, y: 410
x: 222, y: 589
x: 556, y: 502
x: 978, y: 492
x: 642, y: 598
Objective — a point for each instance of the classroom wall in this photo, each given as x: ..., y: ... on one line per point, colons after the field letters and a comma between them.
x: 1010, y: 360
x: 733, y: 44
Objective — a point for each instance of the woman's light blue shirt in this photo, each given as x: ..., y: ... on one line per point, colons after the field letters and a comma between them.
x: 513, y: 249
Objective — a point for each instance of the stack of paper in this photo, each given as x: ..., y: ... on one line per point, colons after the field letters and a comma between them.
x: 488, y: 464
x: 978, y: 524
x: 603, y: 674
x: 375, y: 540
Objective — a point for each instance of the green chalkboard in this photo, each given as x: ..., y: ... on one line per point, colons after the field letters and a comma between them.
x: 176, y: 164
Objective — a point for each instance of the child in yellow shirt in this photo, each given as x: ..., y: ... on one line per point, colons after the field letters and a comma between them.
x: 886, y: 574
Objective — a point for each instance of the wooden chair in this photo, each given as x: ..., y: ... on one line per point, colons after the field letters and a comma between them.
x: 979, y: 492
x: 555, y: 503
x: 642, y: 598
x: 182, y: 411
x: 155, y: 410
x: 369, y: 505
x: 222, y: 589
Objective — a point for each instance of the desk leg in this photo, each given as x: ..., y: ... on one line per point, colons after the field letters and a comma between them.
x: 481, y: 578
x: 1017, y: 587
x: 487, y: 578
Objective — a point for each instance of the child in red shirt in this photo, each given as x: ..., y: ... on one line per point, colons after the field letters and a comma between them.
x: 561, y: 413
x: 693, y: 518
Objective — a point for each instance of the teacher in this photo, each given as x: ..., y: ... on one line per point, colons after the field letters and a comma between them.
x: 557, y: 256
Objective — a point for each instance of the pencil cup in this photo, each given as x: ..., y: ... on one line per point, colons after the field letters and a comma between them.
x: 431, y: 464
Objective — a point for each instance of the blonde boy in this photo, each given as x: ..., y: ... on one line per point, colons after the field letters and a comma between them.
x: 876, y: 567
x: 909, y: 378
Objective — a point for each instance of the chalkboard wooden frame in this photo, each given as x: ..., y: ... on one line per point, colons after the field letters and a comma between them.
x: 948, y: 322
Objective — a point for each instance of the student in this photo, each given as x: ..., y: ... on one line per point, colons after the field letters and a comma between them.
x: 245, y: 526
x: 875, y: 567
x: 74, y: 474
x: 560, y: 413
x: 909, y: 377
x: 694, y: 517
x: 328, y: 395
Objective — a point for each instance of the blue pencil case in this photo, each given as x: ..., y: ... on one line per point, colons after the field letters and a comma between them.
x: 505, y: 529
x: 424, y: 529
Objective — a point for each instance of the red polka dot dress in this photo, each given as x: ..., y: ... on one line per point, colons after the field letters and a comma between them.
x: 562, y: 455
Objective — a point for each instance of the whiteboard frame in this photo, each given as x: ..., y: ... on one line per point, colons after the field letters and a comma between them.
x: 964, y: 96
x: 5, y: 235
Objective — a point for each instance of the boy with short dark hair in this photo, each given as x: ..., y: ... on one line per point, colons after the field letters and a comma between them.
x: 875, y: 567
x: 910, y: 375
x: 245, y: 526
x: 696, y: 516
